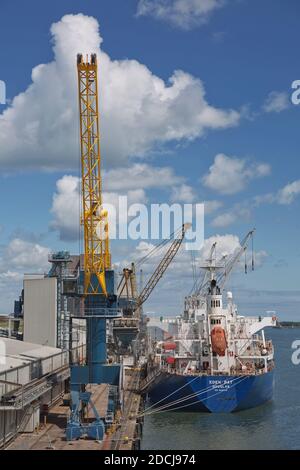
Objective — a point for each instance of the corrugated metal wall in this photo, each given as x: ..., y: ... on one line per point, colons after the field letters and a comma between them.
x: 40, y: 311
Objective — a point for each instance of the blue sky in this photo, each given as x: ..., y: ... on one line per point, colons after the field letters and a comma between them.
x: 239, y: 62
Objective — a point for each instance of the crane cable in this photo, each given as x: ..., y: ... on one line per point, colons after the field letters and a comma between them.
x: 207, y: 389
x: 167, y: 406
x: 197, y: 401
x: 158, y: 247
x: 176, y: 402
x: 172, y: 393
x: 151, y: 253
x: 253, y: 254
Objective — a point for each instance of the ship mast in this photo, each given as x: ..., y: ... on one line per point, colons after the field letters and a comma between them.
x: 221, y: 270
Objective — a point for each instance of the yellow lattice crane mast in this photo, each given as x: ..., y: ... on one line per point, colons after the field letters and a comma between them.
x: 94, y: 218
x: 100, y: 300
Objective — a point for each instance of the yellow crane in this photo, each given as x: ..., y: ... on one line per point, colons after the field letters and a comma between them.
x: 97, y: 256
x: 98, y: 277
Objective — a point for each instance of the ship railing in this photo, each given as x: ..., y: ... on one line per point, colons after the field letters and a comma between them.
x: 188, y: 337
x: 249, y: 319
x: 256, y: 350
x: 269, y: 346
x: 208, y: 372
x: 244, y: 346
x: 99, y: 312
x: 253, y: 341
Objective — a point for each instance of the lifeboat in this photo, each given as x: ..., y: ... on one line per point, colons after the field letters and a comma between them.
x: 218, y: 341
x: 168, y: 346
x: 170, y: 360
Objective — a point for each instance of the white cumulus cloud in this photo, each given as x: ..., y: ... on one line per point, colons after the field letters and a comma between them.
x: 184, y: 14
x: 276, y: 102
x: 139, y: 175
x: 65, y: 208
x: 212, y: 206
x: 223, y: 220
x: 288, y: 194
x: 226, y: 245
x: 183, y: 193
x: 283, y: 196
x: 240, y: 211
x: 230, y: 175
x: 243, y: 210
x: 16, y: 258
x: 21, y: 255
x: 139, y: 111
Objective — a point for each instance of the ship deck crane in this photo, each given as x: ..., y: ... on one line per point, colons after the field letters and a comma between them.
x: 127, y: 284
x: 162, y: 266
x: 229, y: 266
x: 127, y: 328
x: 223, y: 268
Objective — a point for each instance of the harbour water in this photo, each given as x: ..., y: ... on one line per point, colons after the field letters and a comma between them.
x: 275, y: 425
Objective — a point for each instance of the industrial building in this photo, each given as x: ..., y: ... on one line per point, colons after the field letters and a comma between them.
x: 34, y: 373
x: 32, y: 376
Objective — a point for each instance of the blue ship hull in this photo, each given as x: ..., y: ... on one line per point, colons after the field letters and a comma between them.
x: 214, y: 394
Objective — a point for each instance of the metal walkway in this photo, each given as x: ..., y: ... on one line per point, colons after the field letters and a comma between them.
x: 22, y: 396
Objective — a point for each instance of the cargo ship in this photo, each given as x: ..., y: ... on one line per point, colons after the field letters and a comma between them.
x: 212, y: 358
